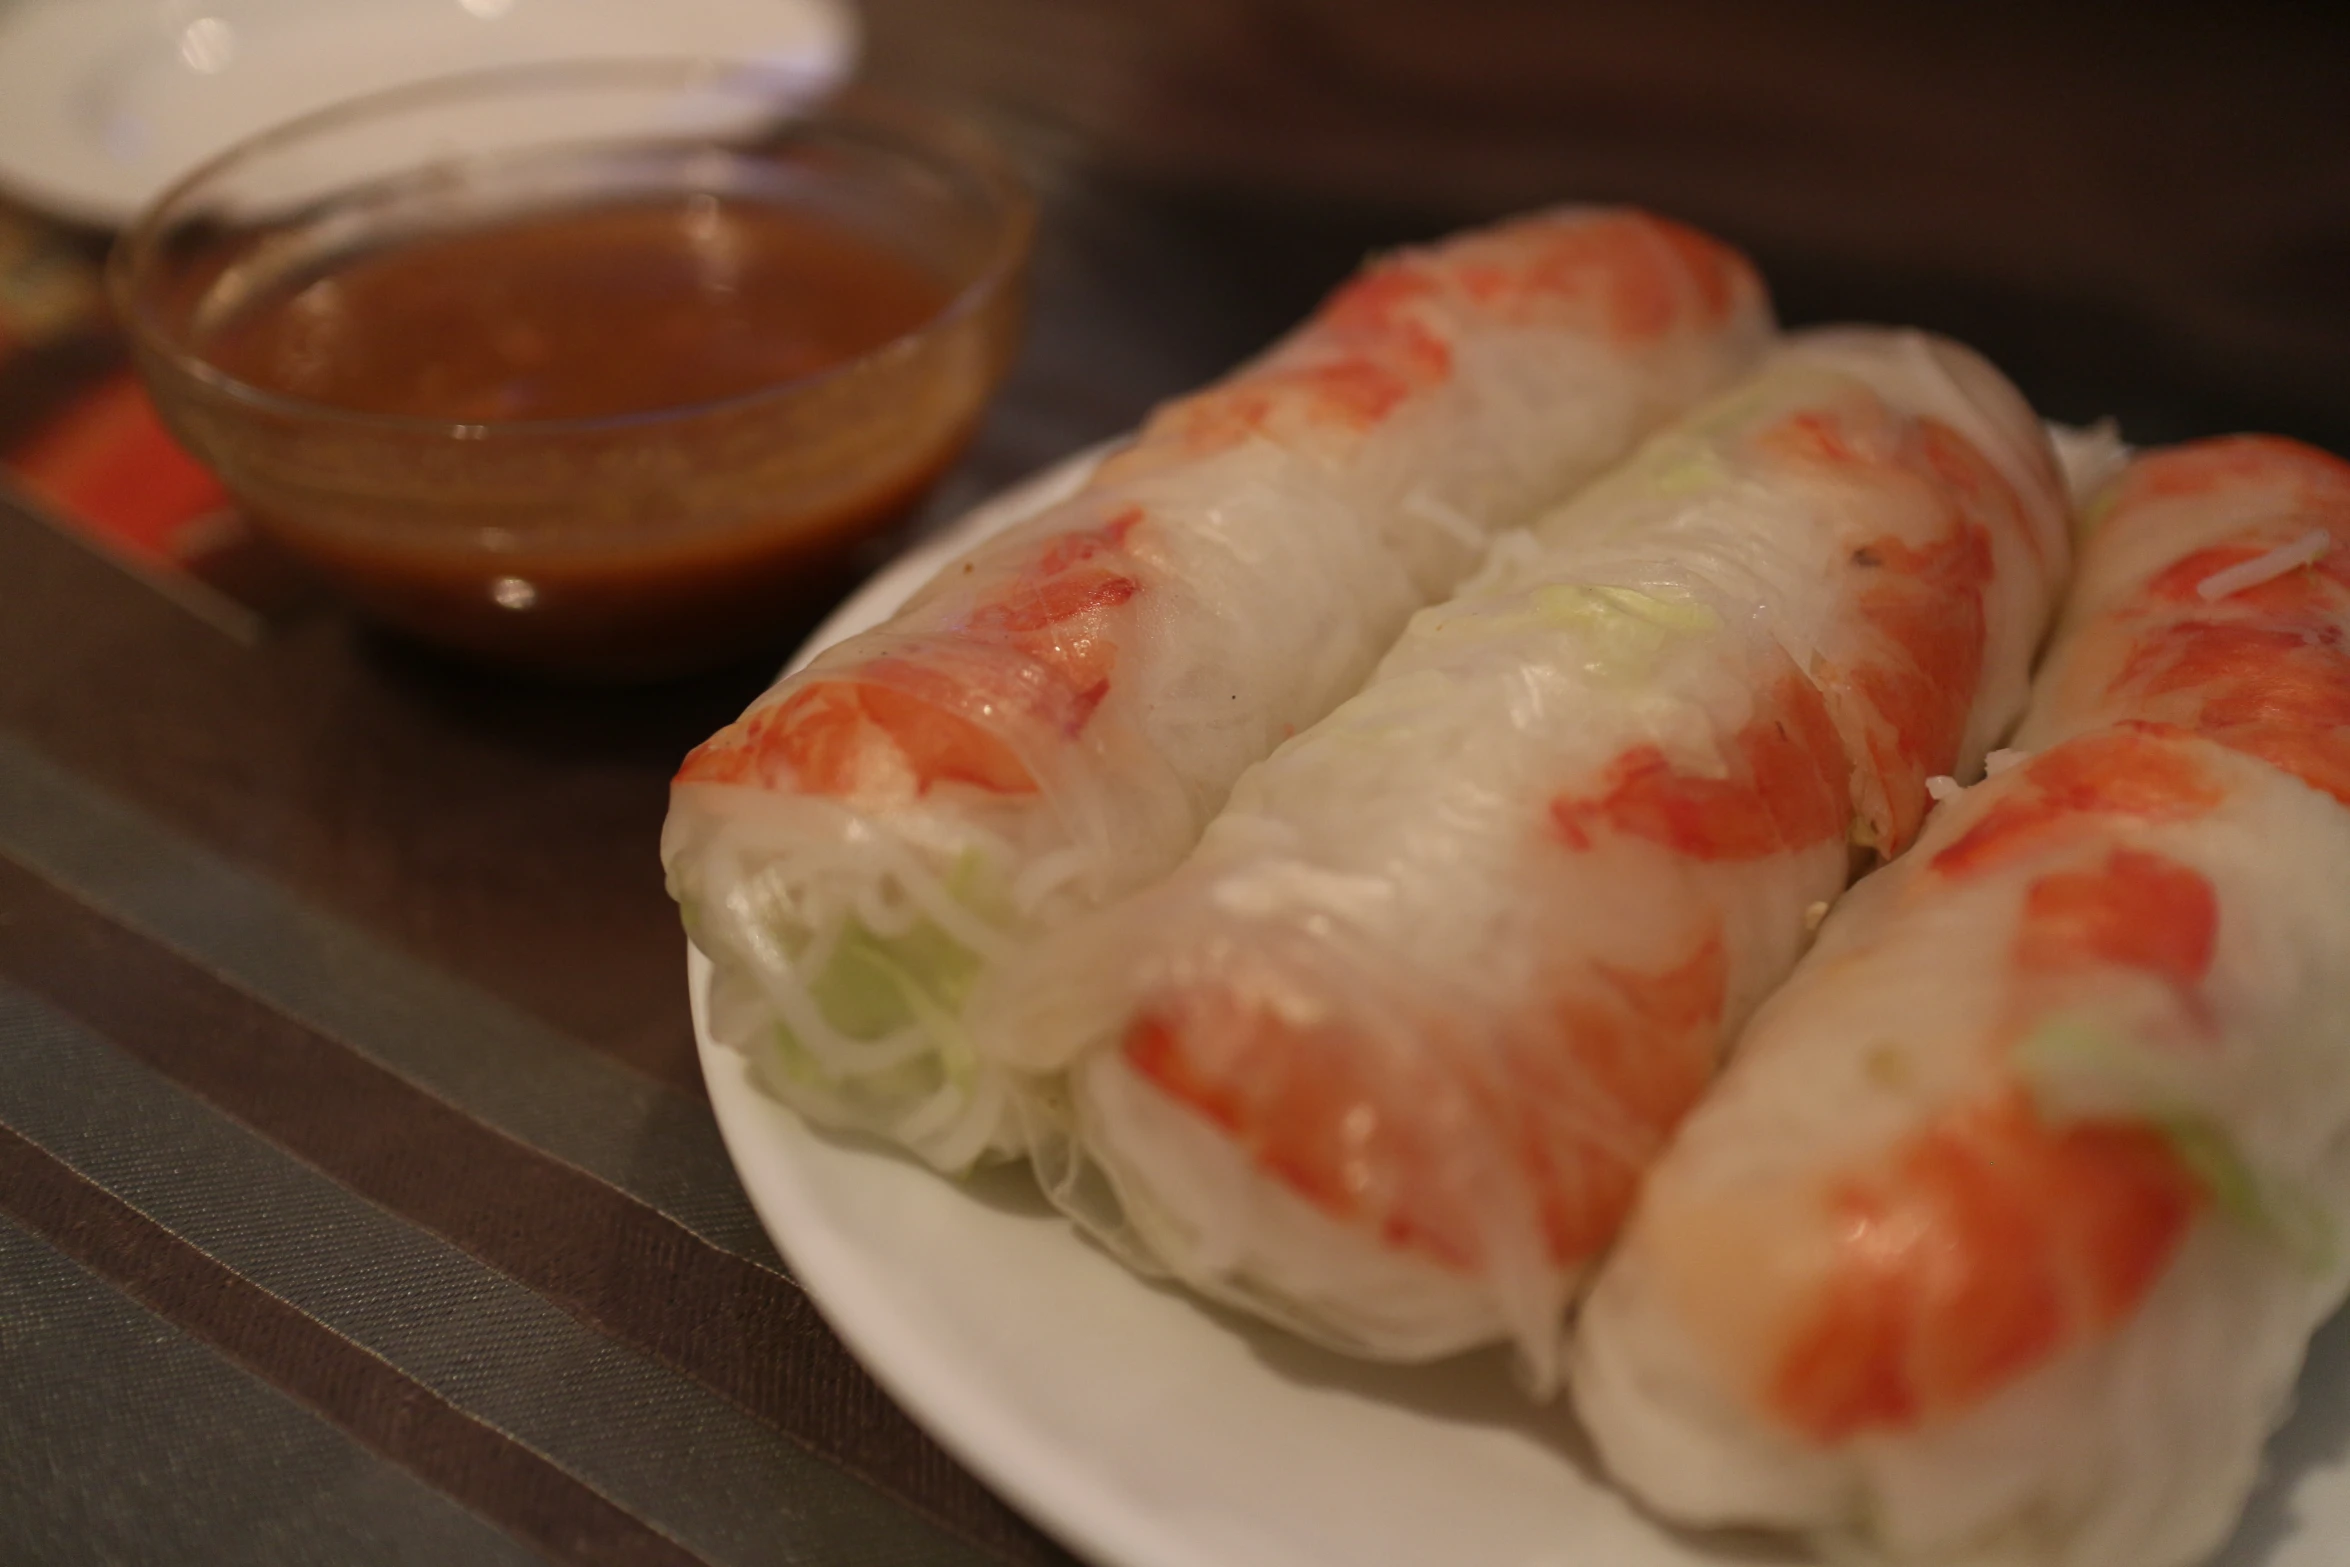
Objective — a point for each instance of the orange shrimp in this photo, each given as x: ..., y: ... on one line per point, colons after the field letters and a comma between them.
x: 1904, y: 702
x: 1983, y: 1246
x: 1039, y: 647
x: 1622, y: 1047
x: 1637, y: 1047
x: 2280, y: 692
x: 1631, y: 276
x: 1313, y: 1108
x: 2137, y: 911
x: 2264, y: 669
x: 2127, y: 770
x: 1618, y: 1046
x: 1642, y: 275
x: 1928, y: 607
x: 1793, y: 790
x: 826, y: 739
x: 2226, y: 462
x: 1991, y: 1239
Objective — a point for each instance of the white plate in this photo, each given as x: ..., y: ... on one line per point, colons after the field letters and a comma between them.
x: 1145, y: 1429
x: 104, y: 102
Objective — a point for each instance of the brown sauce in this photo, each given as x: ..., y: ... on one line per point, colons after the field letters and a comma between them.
x: 581, y: 313
x: 632, y: 547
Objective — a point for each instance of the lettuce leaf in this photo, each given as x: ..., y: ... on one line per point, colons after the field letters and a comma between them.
x: 2077, y: 1071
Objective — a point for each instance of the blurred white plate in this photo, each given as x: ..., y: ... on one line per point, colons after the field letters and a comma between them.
x: 104, y: 102
x: 1145, y: 1429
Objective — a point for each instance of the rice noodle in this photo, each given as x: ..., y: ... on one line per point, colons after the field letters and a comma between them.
x: 2306, y: 550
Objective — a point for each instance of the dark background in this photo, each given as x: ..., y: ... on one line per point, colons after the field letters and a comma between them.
x: 2140, y: 211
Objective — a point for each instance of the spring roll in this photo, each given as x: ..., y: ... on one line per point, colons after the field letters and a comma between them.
x: 1053, y: 720
x: 2004, y: 1237
x: 1384, y: 1059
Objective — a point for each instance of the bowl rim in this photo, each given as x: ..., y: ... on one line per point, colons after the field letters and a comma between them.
x: 952, y: 141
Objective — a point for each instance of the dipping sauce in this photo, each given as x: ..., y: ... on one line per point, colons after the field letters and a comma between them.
x: 629, y: 438
x: 581, y: 314
x: 610, y: 370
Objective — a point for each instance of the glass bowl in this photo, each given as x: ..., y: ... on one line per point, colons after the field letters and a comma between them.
x: 590, y: 369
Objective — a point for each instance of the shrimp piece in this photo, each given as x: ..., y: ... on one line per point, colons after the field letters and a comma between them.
x: 1901, y: 674
x: 1980, y: 1249
x: 1628, y: 280
x: 2262, y: 667
x: 1786, y: 791
x: 1990, y: 1239
x: 1038, y: 645
x: 2127, y: 770
x: 1631, y: 1050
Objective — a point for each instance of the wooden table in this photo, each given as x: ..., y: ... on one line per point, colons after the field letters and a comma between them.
x: 359, y: 1199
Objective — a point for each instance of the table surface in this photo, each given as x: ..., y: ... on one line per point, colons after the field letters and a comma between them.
x: 359, y: 1197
